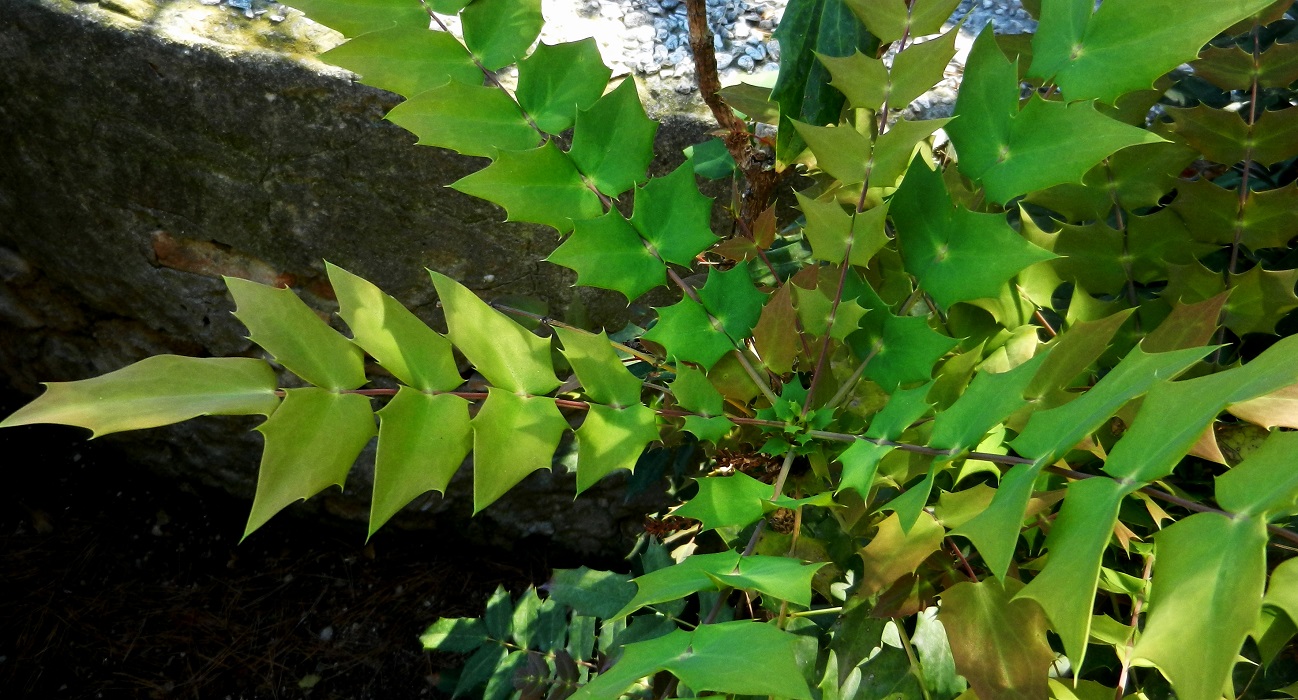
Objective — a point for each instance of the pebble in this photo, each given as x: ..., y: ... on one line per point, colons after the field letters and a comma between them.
x: 724, y: 60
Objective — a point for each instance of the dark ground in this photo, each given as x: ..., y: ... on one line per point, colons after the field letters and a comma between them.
x: 118, y: 584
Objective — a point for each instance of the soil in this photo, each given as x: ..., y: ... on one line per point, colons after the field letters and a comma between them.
x: 119, y: 584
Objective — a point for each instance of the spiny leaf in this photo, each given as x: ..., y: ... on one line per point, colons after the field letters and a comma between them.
x: 687, y: 333
x: 1207, y: 586
x: 479, y: 667
x: 868, y: 83
x: 999, y: 642
x: 507, y: 354
x: 612, y: 143
x: 783, y: 578
x: 588, y: 592
x: 830, y: 230
x: 455, y: 634
x: 1277, y: 409
x: 1076, y: 349
x: 311, y: 442
x: 1126, y: 44
x: 557, y: 80
x: 890, y: 20
x: 733, y: 300
x: 711, y: 159
x: 1258, y: 298
x: 726, y: 501
x: 423, y: 439
x: 1265, y: 484
x: 694, y: 392
x: 672, y: 215
x: 472, y: 120
x: 1188, y: 326
x: 862, y: 80
x: 541, y: 185
x: 499, y: 32
x: 1012, y: 152
x: 825, y: 27
x: 513, y: 436
x: 1211, y: 213
x: 956, y: 254
x: 406, y: 60
x: 356, y: 17
x: 860, y: 465
x: 611, y: 439
x: 895, y: 551
x: 602, y: 374
x: 775, y: 335
x: 1225, y: 137
x: 989, y: 399
x: 608, y: 253
x: 901, y: 349
x: 414, y: 353
x: 156, y: 391
x: 284, y: 326
x: 995, y: 531
x: 1231, y: 68
x: 894, y: 149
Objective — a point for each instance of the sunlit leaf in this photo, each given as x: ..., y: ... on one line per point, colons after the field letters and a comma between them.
x: 602, y: 374
x: 989, y: 399
x: 999, y: 642
x: 513, y: 436
x: 557, y: 80
x: 687, y: 333
x: 423, y: 439
x: 890, y: 20
x: 608, y: 253
x: 674, y: 216
x: 455, y: 634
x: 1265, y: 483
x: 611, y: 439
x: 612, y: 143
x: 499, y: 32
x: 406, y: 60
x: 541, y: 186
x: 472, y: 120
x: 357, y: 17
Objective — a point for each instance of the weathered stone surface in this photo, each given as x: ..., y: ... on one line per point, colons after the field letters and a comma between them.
x: 148, y: 147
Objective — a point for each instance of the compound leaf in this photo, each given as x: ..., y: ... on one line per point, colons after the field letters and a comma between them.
x: 311, y: 442
x: 541, y: 186
x: 1212, y: 214
x: 830, y: 230
x: 1265, y: 483
x: 557, y: 80
x: 499, y: 32
x: 1225, y: 137
x: 989, y: 399
x: 513, y: 436
x: 727, y: 501
x: 414, y: 353
x: 612, y: 143
x: 732, y: 299
x: 284, y: 326
x: 900, y: 349
x: 406, y: 60
x: 998, y: 641
x: 156, y: 391
x: 611, y: 439
x: 1231, y: 68
x: 674, y: 216
x: 890, y: 20
x: 608, y: 253
x: 1076, y: 349
x: 507, y: 354
x: 602, y: 374
x: 472, y: 120
x: 688, y: 334
x: 423, y: 439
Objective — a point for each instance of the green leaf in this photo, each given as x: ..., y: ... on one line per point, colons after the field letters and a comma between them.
x: 781, y: 578
x: 597, y: 365
x: 1231, y: 68
x: 680, y: 580
x: 356, y: 17
x: 611, y: 439
x: 890, y: 20
x: 824, y: 27
x: 1012, y: 152
x: 695, y: 393
x: 1076, y: 349
x: 513, y: 436
x: 1282, y: 591
x: 284, y: 326
x: 156, y: 391
x: 423, y: 439
x: 937, y: 664
x: 956, y: 254
x: 995, y: 531
x: 1212, y: 214
x: 902, y: 349
x: 406, y: 60
x: 989, y: 399
x: 500, y: 686
x: 672, y: 215
x: 705, y: 660
x: 472, y: 120
x: 499, y: 616
x: 608, y: 253
x: 727, y: 501
x: 522, y: 626
x: 541, y: 186
x: 867, y: 83
x: 860, y: 465
x: 894, y: 150
x: 1225, y: 137
x: 612, y: 143
x: 731, y: 298
x: 499, y: 32
x: 458, y: 635
x: 588, y: 592
x: 1207, y: 586
x: 558, y: 80
x: 711, y: 159
x: 311, y: 442
x: 998, y: 641
x: 1258, y: 298
x: 414, y: 353
x: 687, y: 333
x: 507, y: 354
x: 478, y: 669
x: 1126, y: 44
x: 893, y: 552
x: 1265, y: 484
x: 863, y: 80
x: 830, y: 230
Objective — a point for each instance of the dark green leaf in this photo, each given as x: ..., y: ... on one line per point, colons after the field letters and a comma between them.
x: 673, y: 216
x: 688, y: 334
x: 499, y: 32
x: 541, y: 185
x: 469, y: 119
x: 608, y: 253
x: 731, y: 298
x: 406, y: 60
x: 558, y: 80
x: 596, y: 593
x: 612, y: 143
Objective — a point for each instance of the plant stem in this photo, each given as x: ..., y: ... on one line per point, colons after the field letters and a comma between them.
x: 1131, y: 638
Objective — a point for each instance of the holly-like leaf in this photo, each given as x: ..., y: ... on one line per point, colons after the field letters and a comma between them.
x: 895, y: 551
x: 597, y: 365
x: 156, y: 391
x: 406, y: 60
x: 541, y: 186
x: 1211, y: 214
x: 472, y: 120
x: 901, y: 349
x: 956, y: 254
x: 711, y: 159
x: 311, y: 442
x: 597, y: 593
x: 731, y: 298
x: 608, y: 253
x: 1076, y: 349
x: 612, y: 438
x: 1258, y: 298
x: 1276, y: 409
x: 868, y: 83
x: 1265, y: 483
x: 863, y: 80
x: 1207, y: 586
x: 423, y: 439
x: 695, y: 393
x: 726, y: 501
x: 1011, y: 152
x: 890, y: 20
x: 999, y: 642
x: 513, y: 436
x: 1225, y: 137
x: 499, y: 32
x: 507, y: 354
x: 781, y: 578
x: 673, y: 216
x: 824, y: 27
x: 356, y: 17
x: 612, y: 143
x: 1231, y: 68
x: 1125, y: 45
x: 830, y: 230
x: 557, y: 80
x: 775, y: 335
x: 687, y: 333
x: 414, y: 353
x: 989, y: 399
x: 458, y: 635
x: 284, y: 326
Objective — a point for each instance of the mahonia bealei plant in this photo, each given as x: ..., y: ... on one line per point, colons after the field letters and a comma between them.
x: 965, y: 396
